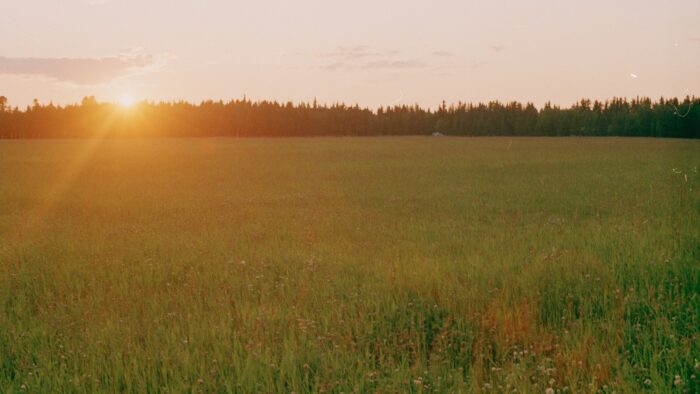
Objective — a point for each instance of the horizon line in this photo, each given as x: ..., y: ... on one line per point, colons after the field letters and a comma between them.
x: 87, y: 100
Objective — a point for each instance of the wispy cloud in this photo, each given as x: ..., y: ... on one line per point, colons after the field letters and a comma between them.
x: 364, y: 57
x: 97, y: 2
x: 80, y: 71
x: 498, y: 48
x: 442, y: 53
x: 357, y: 52
x: 394, y: 64
x: 335, y: 66
x: 375, y: 65
x: 456, y: 67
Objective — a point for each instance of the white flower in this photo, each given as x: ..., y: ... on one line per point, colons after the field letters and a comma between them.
x: 677, y: 381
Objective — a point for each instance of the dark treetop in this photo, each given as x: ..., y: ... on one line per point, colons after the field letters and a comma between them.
x: 616, y: 117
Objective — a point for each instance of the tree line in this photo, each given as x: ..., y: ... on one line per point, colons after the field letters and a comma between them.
x: 677, y: 118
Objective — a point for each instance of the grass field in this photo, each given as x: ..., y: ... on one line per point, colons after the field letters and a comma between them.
x: 350, y: 265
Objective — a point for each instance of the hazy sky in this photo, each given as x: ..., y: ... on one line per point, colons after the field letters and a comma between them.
x: 366, y: 52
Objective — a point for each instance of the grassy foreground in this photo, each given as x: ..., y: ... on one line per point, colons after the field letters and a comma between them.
x: 353, y: 265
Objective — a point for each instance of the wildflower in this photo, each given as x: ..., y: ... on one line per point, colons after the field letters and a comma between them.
x: 677, y: 381
x: 200, y: 381
x: 549, y: 391
x: 647, y: 382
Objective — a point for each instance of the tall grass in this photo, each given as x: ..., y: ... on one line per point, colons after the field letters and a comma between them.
x: 353, y: 265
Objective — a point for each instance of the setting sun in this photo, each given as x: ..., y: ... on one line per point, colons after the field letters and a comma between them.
x: 126, y: 101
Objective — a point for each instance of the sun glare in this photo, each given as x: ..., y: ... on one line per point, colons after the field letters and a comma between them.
x: 126, y: 101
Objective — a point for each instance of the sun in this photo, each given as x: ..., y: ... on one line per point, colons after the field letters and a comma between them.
x: 126, y: 101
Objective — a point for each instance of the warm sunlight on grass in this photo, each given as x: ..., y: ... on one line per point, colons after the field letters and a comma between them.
x: 391, y: 265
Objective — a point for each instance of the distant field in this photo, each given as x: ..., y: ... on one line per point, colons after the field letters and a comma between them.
x: 350, y: 265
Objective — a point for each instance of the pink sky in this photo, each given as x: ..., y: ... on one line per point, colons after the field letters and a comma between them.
x: 367, y: 52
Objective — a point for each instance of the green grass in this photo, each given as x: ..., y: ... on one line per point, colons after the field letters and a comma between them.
x: 353, y: 265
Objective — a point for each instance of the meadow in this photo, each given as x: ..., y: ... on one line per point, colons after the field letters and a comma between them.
x: 406, y: 264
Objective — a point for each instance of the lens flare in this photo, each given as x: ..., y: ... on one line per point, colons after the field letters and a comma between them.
x: 126, y: 101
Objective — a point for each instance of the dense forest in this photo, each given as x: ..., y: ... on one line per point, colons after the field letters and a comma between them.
x: 617, y: 117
